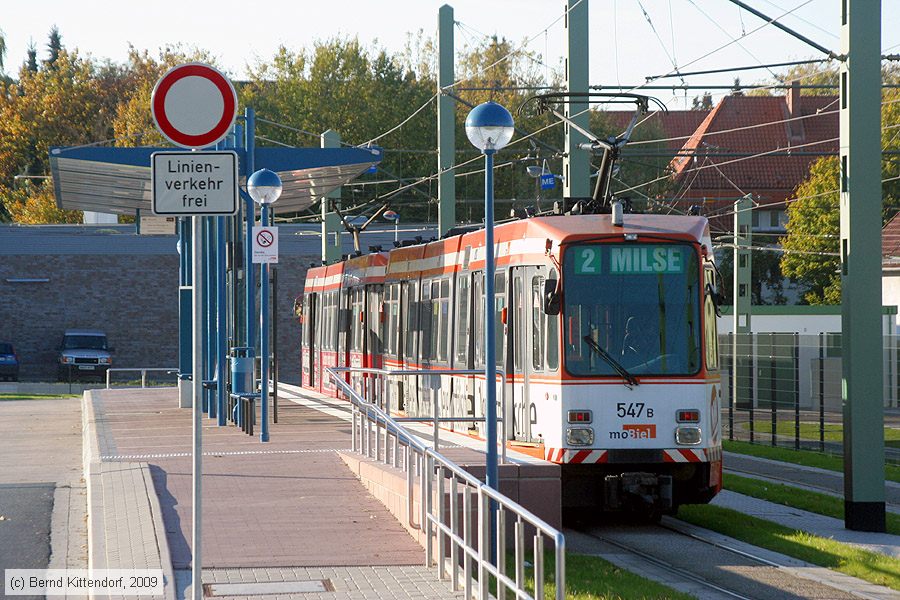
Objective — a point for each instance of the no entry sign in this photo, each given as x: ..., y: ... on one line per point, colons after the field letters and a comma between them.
x: 194, y: 105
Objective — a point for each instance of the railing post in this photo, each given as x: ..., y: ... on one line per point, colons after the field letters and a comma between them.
x: 143, y: 378
x: 435, y: 414
x: 107, y: 378
x: 501, y: 551
x: 538, y: 565
x: 454, y: 528
x: 353, y: 445
x: 520, y: 553
x: 484, y: 543
x: 441, y: 516
x: 560, y: 543
x: 409, y: 485
x: 467, y: 539
x: 425, y: 486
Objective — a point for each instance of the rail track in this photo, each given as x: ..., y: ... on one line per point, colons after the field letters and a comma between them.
x: 702, y: 566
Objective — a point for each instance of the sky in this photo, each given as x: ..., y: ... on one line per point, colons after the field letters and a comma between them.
x: 629, y: 39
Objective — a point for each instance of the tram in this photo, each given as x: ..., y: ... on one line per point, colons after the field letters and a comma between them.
x: 605, y: 334
x: 605, y: 337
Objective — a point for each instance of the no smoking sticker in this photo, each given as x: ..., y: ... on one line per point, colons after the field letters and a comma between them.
x: 265, y: 244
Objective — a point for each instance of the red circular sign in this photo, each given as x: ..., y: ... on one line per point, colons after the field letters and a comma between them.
x: 194, y: 105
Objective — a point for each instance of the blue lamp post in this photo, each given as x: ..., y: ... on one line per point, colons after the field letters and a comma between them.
x: 264, y: 187
x: 489, y: 127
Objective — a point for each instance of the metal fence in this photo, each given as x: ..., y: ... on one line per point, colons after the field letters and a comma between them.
x: 161, y: 376
x: 457, y: 533
x: 789, y: 390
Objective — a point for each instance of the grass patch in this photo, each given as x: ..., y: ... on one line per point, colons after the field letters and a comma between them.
x: 800, y: 457
x: 869, y: 566
x: 36, y: 396
x: 592, y: 578
x: 834, y: 432
x: 787, y: 495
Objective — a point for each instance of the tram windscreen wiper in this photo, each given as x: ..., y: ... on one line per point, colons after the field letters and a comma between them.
x: 630, y: 380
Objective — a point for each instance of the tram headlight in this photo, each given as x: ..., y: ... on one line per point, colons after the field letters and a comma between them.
x: 579, y: 436
x: 687, y: 436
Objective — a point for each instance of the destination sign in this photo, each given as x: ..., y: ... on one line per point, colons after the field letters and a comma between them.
x: 637, y: 259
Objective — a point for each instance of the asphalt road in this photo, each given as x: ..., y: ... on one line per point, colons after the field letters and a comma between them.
x: 41, y: 453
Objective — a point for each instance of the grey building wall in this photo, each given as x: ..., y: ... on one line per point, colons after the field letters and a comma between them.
x: 133, y: 298
x: 108, y: 278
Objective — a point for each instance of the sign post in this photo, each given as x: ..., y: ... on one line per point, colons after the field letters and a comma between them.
x: 194, y: 106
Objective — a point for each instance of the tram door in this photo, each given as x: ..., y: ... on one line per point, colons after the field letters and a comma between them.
x: 525, y: 350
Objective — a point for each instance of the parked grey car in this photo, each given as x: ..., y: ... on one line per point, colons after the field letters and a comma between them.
x: 83, y: 353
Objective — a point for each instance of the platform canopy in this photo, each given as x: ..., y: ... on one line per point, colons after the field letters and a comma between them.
x: 117, y: 180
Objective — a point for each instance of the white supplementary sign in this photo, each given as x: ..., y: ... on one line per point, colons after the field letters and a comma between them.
x: 265, y: 244
x: 157, y: 225
x: 194, y: 183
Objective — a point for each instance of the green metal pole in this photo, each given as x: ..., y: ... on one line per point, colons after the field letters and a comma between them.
x: 446, y: 116
x: 860, y: 187
x: 740, y: 341
x: 576, y: 163
x: 331, y: 224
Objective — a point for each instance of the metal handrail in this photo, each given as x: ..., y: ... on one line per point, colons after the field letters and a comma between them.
x: 446, y: 529
x: 143, y: 371
x: 435, y: 420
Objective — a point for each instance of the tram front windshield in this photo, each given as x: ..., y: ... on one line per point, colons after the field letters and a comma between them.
x: 638, y: 302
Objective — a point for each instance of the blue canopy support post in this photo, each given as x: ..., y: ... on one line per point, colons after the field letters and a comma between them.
x: 249, y: 219
x: 210, y: 285
x: 221, y: 319
x: 185, y: 315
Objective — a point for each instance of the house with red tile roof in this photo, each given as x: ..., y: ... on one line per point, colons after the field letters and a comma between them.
x: 757, y: 145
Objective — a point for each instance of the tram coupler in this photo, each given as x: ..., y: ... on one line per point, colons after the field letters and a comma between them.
x: 637, y: 490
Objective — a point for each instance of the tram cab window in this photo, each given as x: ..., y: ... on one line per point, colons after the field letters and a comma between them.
x: 638, y: 302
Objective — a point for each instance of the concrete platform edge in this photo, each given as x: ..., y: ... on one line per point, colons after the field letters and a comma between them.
x: 100, y: 545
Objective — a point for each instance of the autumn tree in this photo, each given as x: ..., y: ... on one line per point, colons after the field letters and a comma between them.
x: 813, y: 228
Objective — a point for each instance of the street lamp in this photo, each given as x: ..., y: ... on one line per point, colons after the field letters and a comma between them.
x: 489, y: 127
x: 264, y: 187
x: 394, y: 216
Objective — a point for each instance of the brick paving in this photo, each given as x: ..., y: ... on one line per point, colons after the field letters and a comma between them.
x: 345, y: 583
x: 288, y: 503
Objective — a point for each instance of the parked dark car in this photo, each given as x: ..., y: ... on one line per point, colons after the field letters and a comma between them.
x: 83, y: 353
x: 9, y: 362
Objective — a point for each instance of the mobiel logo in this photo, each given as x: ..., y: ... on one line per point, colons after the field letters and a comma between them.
x: 638, y: 431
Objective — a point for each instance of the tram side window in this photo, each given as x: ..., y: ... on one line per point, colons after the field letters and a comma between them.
x: 441, y: 312
x: 478, y: 287
x: 462, y: 321
x: 356, y: 324
x: 411, y: 317
x: 392, y: 313
x: 537, y: 324
x: 425, y: 308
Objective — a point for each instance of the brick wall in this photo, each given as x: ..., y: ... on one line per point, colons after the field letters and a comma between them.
x: 133, y: 298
